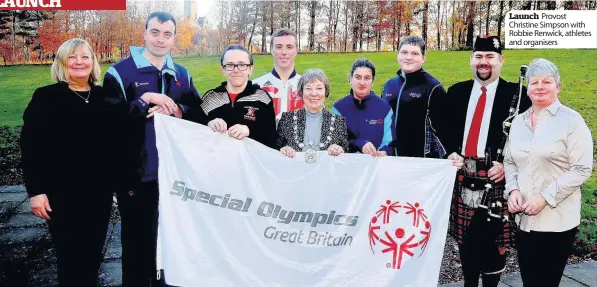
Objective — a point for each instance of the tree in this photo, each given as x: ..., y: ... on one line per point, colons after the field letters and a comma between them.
x: 425, y: 19
x: 438, y: 26
x: 335, y: 22
x: 297, y: 7
x: 312, y: 13
x: 345, y: 26
x: 470, y: 25
x: 500, y: 19
x: 185, y: 34
x: 255, y: 17
x: 488, y: 12
x: 264, y: 5
x: 51, y: 35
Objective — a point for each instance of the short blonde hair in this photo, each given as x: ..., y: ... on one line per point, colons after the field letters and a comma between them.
x: 59, y: 70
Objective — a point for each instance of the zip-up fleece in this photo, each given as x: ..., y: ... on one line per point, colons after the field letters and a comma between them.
x: 253, y: 108
x: 125, y: 82
x: 409, y: 98
x: 367, y: 120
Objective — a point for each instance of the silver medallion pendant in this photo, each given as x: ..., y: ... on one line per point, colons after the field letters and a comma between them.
x: 310, y: 155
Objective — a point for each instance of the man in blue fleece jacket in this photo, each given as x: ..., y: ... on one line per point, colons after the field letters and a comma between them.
x: 142, y: 85
x: 368, y: 117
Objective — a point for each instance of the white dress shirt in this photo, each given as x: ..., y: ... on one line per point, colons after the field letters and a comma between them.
x: 472, y: 198
x: 553, y: 161
x: 472, y: 104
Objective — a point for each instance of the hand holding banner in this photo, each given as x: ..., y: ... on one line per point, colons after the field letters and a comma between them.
x: 236, y: 213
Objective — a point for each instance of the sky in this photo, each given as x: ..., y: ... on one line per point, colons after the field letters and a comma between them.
x: 204, y: 7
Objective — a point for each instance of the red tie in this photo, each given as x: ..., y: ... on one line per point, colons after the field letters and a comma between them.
x: 473, y: 133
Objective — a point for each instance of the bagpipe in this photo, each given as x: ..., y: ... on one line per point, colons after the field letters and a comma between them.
x: 488, y: 221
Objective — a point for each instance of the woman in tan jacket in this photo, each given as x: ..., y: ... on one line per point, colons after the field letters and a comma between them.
x: 548, y: 157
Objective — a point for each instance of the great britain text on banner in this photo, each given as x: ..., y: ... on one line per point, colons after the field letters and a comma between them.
x: 236, y: 213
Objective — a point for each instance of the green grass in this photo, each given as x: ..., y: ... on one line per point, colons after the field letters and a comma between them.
x: 578, y: 70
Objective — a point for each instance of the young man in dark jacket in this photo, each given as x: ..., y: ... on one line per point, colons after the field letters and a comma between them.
x: 409, y: 94
x: 146, y: 83
x: 238, y: 106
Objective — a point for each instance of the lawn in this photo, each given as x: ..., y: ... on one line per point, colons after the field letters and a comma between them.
x: 578, y: 70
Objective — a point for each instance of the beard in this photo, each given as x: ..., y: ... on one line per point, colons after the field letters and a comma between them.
x: 479, y: 74
x: 484, y: 78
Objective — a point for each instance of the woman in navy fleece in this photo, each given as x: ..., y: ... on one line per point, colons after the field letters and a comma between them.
x: 368, y: 117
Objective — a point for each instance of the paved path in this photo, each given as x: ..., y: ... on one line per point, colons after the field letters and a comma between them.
x: 575, y: 275
x: 27, y: 257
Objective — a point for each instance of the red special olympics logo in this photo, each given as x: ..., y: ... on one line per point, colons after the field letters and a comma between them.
x: 401, y: 229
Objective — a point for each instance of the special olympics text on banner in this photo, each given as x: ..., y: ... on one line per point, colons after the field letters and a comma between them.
x: 62, y: 5
x: 236, y: 213
x: 551, y: 29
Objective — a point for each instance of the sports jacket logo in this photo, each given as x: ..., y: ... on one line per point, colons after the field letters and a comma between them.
x: 415, y: 95
x: 374, y: 122
x: 137, y: 84
x: 270, y: 88
x: 250, y: 115
x: 391, y: 230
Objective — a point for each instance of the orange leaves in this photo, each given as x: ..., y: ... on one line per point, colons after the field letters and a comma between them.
x: 52, y: 35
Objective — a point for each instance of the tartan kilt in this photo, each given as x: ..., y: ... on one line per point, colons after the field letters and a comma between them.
x: 461, y: 214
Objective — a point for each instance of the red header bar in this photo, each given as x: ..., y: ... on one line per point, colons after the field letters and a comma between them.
x: 62, y: 4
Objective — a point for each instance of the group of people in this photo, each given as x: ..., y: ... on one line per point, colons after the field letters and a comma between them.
x: 82, y: 142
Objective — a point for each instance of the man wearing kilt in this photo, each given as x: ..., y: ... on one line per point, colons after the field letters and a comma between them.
x: 469, y: 121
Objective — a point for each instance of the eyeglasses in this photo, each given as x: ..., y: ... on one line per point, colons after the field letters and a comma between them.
x: 241, y: 67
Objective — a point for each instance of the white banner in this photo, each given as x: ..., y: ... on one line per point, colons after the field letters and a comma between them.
x: 236, y: 213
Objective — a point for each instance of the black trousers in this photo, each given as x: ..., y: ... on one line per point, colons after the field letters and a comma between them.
x: 542, y: 256
x: 139, y: 219
x: 487, y: 265
x: 78, y: 225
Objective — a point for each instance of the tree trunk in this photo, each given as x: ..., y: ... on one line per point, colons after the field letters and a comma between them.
x: 345, y: 26
x: 355, y: 26
x: 330, y: 16
x: 299, y: 26
x: 14, y: 34
x: 394, y: 29
x: 439, y: 25
x: 271, y: 18
x: 500, y: 19
x: 526, y: 5
x: 471, y: 27
x: 425, y: 20
x: 358, y: 20
x: 487, y: 17
x: 378, y: 43
x: 312, y: 13
x: 252, y: 29
x: 335, y: 47
x: 461, y: 29
x: 399, y: 26
x: 480, y: 21
x: 453, y: 24
x: 263, y: 27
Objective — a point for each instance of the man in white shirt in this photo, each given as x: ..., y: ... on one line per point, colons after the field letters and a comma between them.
x: 281, y: 83
x: 471, y: 118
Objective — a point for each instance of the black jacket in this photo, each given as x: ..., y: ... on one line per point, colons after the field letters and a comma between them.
x: 409, y: 98
x: 253, y: 107
x: 69, y: 146
x: 448, y: 114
